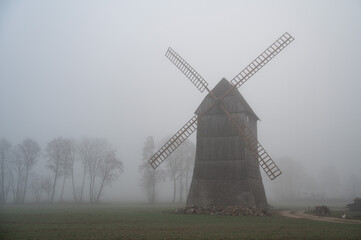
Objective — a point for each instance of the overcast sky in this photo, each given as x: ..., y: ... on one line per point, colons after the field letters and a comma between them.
x: 97, y: 69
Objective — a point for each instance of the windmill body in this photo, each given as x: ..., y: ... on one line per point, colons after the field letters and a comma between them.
x: 228, y: 154
x: 225, y: 172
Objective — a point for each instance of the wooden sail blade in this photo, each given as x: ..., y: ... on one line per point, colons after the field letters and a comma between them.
x: 267, y: 164
x: 262, y: 60
x: 173, y: 143
x: 187, y: 70
x: 252, y: 144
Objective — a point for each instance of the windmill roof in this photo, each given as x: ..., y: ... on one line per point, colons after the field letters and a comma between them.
x: 234, y: 102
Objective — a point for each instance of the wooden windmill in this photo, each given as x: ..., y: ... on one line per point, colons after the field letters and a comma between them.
x: 228, y: 154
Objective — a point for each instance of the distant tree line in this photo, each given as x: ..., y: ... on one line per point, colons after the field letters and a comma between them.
x: 90, y: 165
x: 178, y: 167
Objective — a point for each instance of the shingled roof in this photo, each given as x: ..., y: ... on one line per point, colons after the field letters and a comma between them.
x: 234, y: 102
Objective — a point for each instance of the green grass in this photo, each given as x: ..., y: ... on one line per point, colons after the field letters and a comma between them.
x: 144, y: 222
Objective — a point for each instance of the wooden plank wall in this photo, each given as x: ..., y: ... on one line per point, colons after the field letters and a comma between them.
x: 225, y: 173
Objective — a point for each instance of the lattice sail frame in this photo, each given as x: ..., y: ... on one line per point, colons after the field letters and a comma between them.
x: 251, y: 142
x: 262, y: 59
x: 187, y: 70
x: 255, y: 147
x: 173, y: 143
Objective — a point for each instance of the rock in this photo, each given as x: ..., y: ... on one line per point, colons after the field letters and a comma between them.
x: 227, y: 210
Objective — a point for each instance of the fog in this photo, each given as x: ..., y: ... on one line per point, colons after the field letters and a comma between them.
x: 79, y: 69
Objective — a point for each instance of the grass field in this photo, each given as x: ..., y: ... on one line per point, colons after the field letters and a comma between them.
x: 156, y: 222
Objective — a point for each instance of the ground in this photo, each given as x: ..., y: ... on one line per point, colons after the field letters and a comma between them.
x: 300, y: 214
x: 113, y: 221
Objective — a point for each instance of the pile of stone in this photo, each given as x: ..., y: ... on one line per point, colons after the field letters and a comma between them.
x: 228, y: 210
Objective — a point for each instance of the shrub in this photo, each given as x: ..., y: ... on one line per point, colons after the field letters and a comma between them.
x: 355, y: 206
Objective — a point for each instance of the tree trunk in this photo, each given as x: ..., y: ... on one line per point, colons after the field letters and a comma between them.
x: 181, y: 179
x: 92, y: 183
x: 82, y: 186
x: 18, y: 190
x: 13, y: 189
x: 90, y: 188
x: 153, y: 185
x: 2, y: 177
x: 72, y: 182
x: 7, y: 193
x: 26, y: 181
x: 62, y: 190
x: 187, y: 170
x: 174, y: 187
x: 54, y: 184
x: 101, y: 188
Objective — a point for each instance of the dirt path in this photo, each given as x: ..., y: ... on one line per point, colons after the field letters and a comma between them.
x: 302, y: 214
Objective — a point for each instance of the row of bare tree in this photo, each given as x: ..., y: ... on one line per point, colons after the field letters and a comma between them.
x: 178, y: 167
x: 89, y: 162
x: 16, y: 164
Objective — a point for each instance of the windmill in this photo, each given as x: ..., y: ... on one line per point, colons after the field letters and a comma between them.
x: 228, y: 154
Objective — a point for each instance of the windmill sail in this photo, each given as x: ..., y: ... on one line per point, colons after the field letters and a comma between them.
x: 252, y: 144
x: 262, y: 60
x: 187, y: 70
x: 173, y: 143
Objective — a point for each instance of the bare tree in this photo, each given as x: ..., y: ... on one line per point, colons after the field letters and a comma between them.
x: 149, y: 176
x: 56, y: 153
x: 46, y: 186
x: 173, y: 165
x: 187, y: 157
x: 146, y: 182
x: 148, y: 173
x: 84, y: 150
x: 295, y: 183
x: 100, y: 163
x: 66, y: 163
x: 72, y: 158
x: 5, y: 148
x: 30, y: 151
x: 97, y: 151
x: 178, y: 165
x: 109, y: 168
x: 35, y: 186
x: 17, y: 172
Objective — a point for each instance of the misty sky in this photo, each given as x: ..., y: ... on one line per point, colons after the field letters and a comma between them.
x: 97, y: 69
